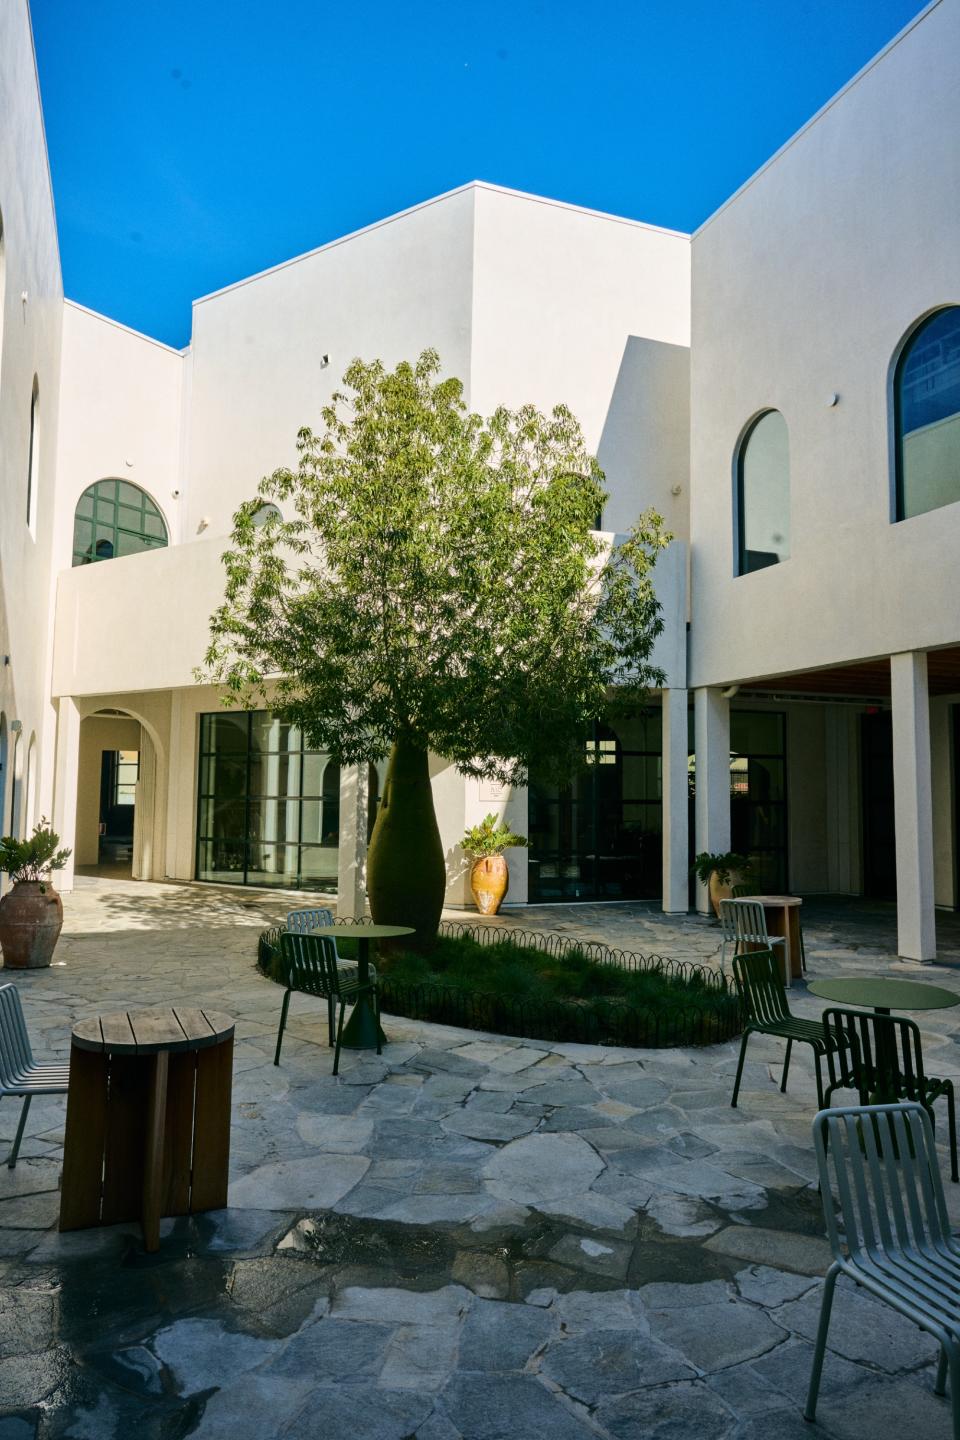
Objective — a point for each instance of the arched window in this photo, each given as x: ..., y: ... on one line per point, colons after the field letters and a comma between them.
x: 264, y: 512
x: 33, y: 457
x: 763, y: 494
x: 113, y: 518
x: 926, y: 400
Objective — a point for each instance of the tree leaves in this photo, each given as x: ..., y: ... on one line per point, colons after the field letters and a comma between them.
x: 437, y: 578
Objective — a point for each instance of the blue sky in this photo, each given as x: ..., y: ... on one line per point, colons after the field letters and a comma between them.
x: 193, y: 142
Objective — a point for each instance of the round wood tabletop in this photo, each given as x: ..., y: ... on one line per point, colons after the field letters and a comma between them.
x: 783, y: 900
x: 147, y: 1032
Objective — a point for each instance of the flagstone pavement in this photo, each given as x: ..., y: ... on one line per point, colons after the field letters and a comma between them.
x: 470, y: 1236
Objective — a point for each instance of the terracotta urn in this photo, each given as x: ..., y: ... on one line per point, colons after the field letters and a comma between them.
x: 722, y: 890
x: 31, y: 918
x: 489, y: 878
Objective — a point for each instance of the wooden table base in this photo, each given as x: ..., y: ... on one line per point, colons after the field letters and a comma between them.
x: 147, y: 1136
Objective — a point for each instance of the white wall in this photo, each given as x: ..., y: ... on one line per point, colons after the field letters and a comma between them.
x: 387, y: 292
x: 574, y: 307
x: 804, y: 285
x: 30, y: 347
x: 120, y: 412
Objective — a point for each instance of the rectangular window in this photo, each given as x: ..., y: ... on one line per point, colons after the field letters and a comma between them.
x: 126, y: 774
x: 268, y: 809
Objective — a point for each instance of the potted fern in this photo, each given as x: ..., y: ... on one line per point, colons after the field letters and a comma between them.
x: 489, y: 875
x: 31, y: 914
x: 720, y: 872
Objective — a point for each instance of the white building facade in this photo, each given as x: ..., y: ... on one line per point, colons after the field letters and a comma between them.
x: 783, y: 386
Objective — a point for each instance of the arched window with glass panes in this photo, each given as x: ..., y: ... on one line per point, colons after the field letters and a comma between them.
x: 926, y: 395
x: 115, y: 518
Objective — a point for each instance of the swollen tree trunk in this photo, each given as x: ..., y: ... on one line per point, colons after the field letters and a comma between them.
x: 406, y: 873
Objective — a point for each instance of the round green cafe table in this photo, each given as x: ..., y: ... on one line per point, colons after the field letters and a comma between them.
x: 883, y: 995
x: 362, y: 1030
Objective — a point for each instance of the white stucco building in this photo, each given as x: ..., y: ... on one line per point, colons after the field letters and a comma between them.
x: 783, y: 385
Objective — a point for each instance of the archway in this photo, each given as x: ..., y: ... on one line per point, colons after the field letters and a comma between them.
x: 118, y: 826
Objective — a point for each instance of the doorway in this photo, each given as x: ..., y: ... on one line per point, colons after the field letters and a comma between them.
x: 879, y: 830
x: 119, y: 773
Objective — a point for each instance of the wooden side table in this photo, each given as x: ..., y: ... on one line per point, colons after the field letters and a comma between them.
x: 782, y: 914
x: 148, y: 1118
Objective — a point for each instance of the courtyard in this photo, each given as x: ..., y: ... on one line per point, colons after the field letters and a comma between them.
x: 469, y: 1236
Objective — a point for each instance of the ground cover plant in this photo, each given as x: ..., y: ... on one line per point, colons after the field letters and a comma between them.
x: 519, y: 983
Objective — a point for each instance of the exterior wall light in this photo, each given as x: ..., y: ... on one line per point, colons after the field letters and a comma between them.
x: 832, y: 399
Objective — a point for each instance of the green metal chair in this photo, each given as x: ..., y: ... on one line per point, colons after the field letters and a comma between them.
x: 309, y: 967
x: 892, y: 1235
x: 764, y: 1000
x: 882, y: 1059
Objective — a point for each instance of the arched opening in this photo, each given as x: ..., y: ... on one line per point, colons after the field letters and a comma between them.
x: 763, y: 494
x: 3, y: 290
x: 108, y: 772
x: 926, y: 407
x: 115, y: 518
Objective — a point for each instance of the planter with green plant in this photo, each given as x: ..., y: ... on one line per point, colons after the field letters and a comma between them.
x: 720, y: 872
x: 484, y: 844
x: 31, y: 914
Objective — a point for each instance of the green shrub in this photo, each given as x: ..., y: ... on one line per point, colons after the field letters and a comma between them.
x: 539, y: 988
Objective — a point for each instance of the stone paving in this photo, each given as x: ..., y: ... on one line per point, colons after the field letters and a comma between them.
x: 470, y: 1236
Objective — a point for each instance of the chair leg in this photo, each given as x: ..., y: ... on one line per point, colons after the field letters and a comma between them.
x: 940, y: 1384
x: 818, y: 1071
x: 953, y: 1361
x: 743, y: 1055
x: 786, y: 1066
x: 330, y: 1010
x: 336, y: 1053
x: 283, y: 1020
x: 810, y: 1413
x: 376, y: 1013
x: 952, y: 1127
x: 12, y: 1157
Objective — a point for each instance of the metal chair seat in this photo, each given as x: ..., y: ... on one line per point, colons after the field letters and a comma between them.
x: 20, y: 1075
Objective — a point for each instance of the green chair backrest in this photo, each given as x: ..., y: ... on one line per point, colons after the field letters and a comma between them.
x: 759, y: 982
x: 309, y: 964
x: 882, y: 1053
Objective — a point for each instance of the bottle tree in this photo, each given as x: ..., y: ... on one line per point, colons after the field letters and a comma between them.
x: 435, y: 583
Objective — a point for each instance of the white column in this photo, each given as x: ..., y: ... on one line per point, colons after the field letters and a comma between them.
x: 352, y: 854
x: 676, y: 860
x: 711, y: 722
x: 65, y: 780
x: 912, y: 806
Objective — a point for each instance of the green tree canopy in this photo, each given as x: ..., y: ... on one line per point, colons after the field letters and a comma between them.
x: 436, y: 584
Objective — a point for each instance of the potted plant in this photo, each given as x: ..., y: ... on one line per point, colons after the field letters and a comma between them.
x: 31, y: 914
x: 720, y: 873
x: 489, y: 876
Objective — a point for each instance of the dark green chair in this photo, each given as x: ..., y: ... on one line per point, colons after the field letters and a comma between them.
x: 882, y: 1059
x: 309, y: 967
x: 764, y: 1000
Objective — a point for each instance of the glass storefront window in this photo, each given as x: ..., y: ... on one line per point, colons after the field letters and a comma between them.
x: 268, y: 810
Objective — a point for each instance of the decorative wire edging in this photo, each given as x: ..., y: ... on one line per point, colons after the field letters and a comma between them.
x: 601, y: 1020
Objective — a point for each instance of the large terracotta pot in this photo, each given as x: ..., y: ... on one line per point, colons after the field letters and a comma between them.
x: 31, y: 918
x: 489, y: 879
x: 723, y: 891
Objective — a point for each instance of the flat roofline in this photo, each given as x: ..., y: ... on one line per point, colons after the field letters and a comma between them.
x: 128, y: 329
x: 798, y: 134
x: 425, y: 205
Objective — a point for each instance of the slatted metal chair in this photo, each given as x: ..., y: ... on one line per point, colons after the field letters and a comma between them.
x: 883, y: 1061
x: 304, y: 922
x: 309, y: 967
x: 743, y: 892
x: 20, y: 1075
x: 759, y: 982
x: 744, y: 924
x: 893, y: 1233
